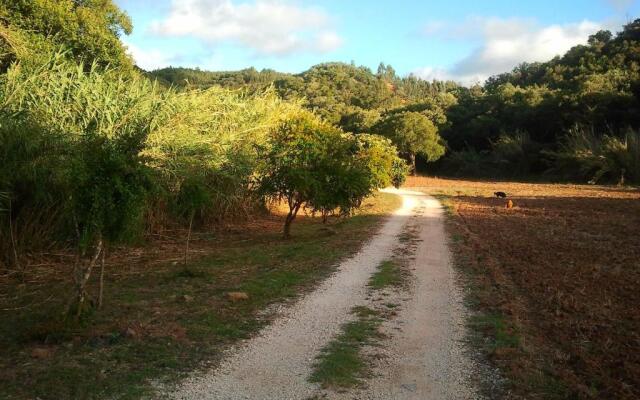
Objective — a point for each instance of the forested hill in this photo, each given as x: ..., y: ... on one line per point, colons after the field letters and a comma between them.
x: 341, y: 93
x: 589, y: 93
x: 574, y: 117
x: 249, y: 78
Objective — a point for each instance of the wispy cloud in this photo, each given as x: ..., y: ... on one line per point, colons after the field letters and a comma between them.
x: 620, y: 5
x: 267, y: 27
x: 504, y: 43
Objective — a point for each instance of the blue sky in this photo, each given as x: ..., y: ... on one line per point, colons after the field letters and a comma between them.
x: 464, y: 40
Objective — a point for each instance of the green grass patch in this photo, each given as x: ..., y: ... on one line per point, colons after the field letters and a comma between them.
x: 388, y: 274
x: 341, y: 363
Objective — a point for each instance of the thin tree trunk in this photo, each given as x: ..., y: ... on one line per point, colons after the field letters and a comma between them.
x: 293, y: 211
x: 84, y: 278
x: 101, y: 290
x: 412, y: 157
x: 16, y: 260
x: 186, y: 251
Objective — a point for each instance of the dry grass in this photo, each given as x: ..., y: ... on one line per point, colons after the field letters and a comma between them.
x: 162, y: 318
x: 557, y: 282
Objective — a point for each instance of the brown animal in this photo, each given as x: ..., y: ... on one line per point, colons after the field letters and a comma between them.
x: 509, y: 204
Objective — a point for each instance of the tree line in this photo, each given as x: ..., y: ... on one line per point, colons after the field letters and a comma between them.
x: 575, y: 117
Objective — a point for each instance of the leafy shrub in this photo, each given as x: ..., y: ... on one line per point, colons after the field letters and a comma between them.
x: 83, y: 133
x: 381, y: 159
x: 399, y: 172
x: 310, y: 163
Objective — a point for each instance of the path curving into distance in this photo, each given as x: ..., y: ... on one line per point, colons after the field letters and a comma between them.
x: 424, y: 355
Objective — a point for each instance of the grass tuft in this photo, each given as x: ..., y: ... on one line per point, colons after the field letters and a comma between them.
x: 341, y: 363
x: 388, y: 274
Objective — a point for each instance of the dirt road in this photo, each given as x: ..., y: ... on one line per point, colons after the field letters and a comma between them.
x: 423, y: 353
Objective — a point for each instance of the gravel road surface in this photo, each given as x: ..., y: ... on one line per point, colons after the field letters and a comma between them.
x: 423, y: 354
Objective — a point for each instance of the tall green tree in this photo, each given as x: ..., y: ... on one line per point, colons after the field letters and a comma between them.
x: 413, y: 134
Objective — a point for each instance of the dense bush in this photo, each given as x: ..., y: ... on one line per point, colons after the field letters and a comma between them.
x: 71, y: 145
x: 381, y: 159
x: 309, y: 163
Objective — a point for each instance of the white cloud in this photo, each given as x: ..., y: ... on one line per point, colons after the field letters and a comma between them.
x: 150, y: 59
x: 444, y: 74
x: 268, y: 27
x: 505, y: 43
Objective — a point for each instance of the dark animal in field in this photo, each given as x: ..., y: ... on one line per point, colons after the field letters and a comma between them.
x: 502, y: 195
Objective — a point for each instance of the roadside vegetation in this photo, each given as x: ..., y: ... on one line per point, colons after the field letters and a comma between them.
x: 552, y: 281
x: 96, y: 155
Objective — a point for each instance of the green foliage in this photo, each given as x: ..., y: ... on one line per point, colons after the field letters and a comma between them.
x: 310, y: 163
x: 81, y: 133
x: 413, y: 133
x: 359, y: 120
x: 331, y: 89
x: 89, y: 29
x: 399, y: 172
x: 380, y: 158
